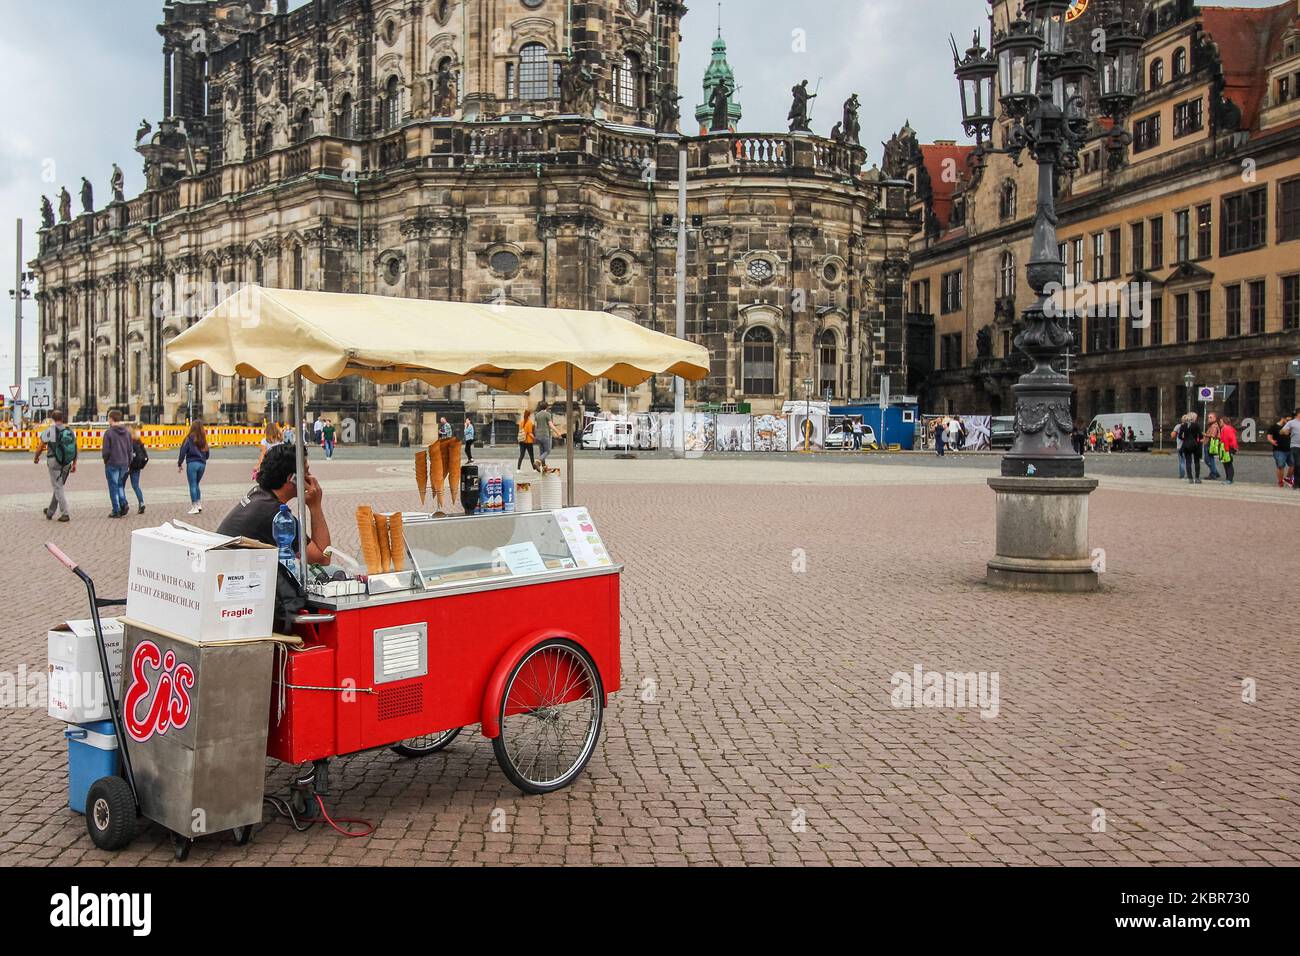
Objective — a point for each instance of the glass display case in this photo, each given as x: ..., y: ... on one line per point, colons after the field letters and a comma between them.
x: 485, y: 551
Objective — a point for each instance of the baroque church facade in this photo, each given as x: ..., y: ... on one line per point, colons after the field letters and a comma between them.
x: 516, y: 151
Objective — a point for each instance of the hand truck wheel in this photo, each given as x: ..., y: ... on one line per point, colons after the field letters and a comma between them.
x: 243, y: 835
x: 181, y: 847
x: 110, y: 813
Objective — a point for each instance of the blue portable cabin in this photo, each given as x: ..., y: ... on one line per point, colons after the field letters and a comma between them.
x: 900, y: 418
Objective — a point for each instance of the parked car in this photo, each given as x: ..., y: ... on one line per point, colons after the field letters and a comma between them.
x: 1140, y: 422
x: 836, y: 438
x: 603, y: 434
x: 1002, y: 431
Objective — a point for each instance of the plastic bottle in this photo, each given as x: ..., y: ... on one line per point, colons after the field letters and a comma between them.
x: 284, y: 528
x: 508, y: 494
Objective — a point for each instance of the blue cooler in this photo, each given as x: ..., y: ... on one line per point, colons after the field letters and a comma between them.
x: 92, y: 753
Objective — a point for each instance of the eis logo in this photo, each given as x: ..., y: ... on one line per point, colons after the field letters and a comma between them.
x: 157, y: 674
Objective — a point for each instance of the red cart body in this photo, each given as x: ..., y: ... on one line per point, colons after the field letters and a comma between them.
x: 326, y: 701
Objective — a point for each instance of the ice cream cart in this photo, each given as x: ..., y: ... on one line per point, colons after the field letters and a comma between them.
x: 507, y: 621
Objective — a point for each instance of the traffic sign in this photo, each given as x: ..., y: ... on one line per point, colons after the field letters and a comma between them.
x: 40, y: 392
x: 14, y: 390
x: 1225, y: 391
x: 1205, y: 393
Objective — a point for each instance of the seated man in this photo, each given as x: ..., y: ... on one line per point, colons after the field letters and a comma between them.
x: 276, y: 485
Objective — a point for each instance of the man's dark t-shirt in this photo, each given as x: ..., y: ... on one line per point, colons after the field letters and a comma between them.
x: 1283, y: 441
x: 251, y: 517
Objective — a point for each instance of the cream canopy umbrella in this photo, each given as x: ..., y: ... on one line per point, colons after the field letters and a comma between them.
x: 324, y: 336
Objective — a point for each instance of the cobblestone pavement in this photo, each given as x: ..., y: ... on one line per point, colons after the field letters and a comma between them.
x: 766, y: 607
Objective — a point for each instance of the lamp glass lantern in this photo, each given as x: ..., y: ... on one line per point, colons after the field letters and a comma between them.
x: 1120, y: 67
x: 1018, y: 57
x: 1048, y: 19
x: 1189, y: 379
x: 975, y: 78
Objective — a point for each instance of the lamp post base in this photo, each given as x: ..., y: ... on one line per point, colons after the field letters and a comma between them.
x: 1042, y: 535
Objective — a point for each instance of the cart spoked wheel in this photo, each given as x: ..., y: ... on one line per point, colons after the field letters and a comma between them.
x: 243, y: 835
x: 428, y: 744
x: 550, y: 716
x: 110, y: 813
x: 181, y: 847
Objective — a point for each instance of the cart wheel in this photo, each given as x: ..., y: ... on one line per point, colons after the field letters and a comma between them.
x: 181, y: 847
x: 110, y: 813
x: 550, y: 717
x: 243, y: 835
x: 428, y: 744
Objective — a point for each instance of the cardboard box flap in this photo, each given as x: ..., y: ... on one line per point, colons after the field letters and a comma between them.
x: 86, y: 629
x: 197, y: 538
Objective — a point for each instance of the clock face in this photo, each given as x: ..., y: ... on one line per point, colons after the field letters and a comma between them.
x: 1076, y: 11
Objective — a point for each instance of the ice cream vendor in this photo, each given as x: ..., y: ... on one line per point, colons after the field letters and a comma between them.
x: 252, y: 515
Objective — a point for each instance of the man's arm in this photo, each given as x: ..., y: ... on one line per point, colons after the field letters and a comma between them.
x: 320, y: 529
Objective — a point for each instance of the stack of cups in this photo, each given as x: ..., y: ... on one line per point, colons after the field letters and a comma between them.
x: 551, y: 497
x: 525, y: 484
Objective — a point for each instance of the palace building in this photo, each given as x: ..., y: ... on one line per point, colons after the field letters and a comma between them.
x: 516, y: 151
x: 1198, y: 218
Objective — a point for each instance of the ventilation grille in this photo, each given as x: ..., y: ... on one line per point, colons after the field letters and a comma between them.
x: 401, y: 653
x: 401, y: 701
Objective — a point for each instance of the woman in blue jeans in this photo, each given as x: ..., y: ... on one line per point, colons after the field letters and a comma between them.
x: 193, y: 460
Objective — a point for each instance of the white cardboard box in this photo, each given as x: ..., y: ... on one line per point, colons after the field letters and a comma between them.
x: 206, y: 587
x: 76, y: 683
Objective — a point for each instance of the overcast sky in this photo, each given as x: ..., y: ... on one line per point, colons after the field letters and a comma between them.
x: 79, y: 76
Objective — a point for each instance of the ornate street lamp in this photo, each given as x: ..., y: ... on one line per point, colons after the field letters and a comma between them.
x: 1043, y: 82
x: 1043, y: 86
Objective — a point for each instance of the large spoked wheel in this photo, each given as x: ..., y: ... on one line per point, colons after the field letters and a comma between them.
x: 428, y: 744
x: 550, y: 717
x: 110, y: 813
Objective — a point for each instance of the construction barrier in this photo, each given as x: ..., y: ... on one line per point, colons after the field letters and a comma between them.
x: 155, y: 437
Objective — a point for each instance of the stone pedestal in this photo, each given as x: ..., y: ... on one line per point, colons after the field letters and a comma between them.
x: 1042, y: 542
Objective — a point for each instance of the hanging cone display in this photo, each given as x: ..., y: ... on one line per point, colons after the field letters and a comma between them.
x: 422, y: 473
x: 369, y: 541
x: 397, y: 541
x: 381, y: 534
x: 453, y: 449
x: 438, y: 474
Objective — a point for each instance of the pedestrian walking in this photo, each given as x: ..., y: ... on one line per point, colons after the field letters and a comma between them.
x: 954, y: 433
x: 139, y: 458
x: 59, y: 442
x: 938, y: 437
x: 1119, y: 438
x: 526, y: 437
x: 469, y: 439
x: 962, y: 434
x: 1130, y: 440
x: 1210, y: 447
x: 1177, y: 435
x: 546, y: 432
x: 318, y: 431
x: 1292, y: 431
x: 1191, y: 438
x: 444, y: 428
x: 857, y: 434
x: 117, y: 462
x: 193, y: 460
x: 327, y: 438
x: 1227, y: 448
x: 270, y: 438
x: 1281, y: 443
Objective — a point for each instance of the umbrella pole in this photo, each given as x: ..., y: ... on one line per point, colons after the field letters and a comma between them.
x: 299, y: 456
x: 568, y: 440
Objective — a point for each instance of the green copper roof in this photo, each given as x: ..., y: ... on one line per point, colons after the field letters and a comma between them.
x: 719, y: 70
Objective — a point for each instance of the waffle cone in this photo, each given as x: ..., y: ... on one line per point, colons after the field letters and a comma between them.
x: 422, y: 473
x: 381, y: 534
x: 397, y: 541
x: 369, y: 540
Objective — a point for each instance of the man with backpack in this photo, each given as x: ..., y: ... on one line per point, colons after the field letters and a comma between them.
x: 60, y: 442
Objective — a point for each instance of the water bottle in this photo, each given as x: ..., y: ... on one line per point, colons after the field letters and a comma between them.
x: 284, y: 528
x: 508, y: 494
x: 496, y: 489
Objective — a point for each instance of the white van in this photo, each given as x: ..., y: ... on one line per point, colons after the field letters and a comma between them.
x: 1140, y: 422
x: 603, y: 433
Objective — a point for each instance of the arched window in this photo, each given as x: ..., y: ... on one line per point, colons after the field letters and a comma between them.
x: 534, y: 72
x: 1007, y: 201
x: 827, y: 356
x: 1007, y: 275
x: 345, y: 126
x: 103, y: 375
x: 392, y: 103
x: 627, y: 82
x: 1180, y: 62
x: 759, y: 357
x: 1157, y: 74
x: 297, y: 267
